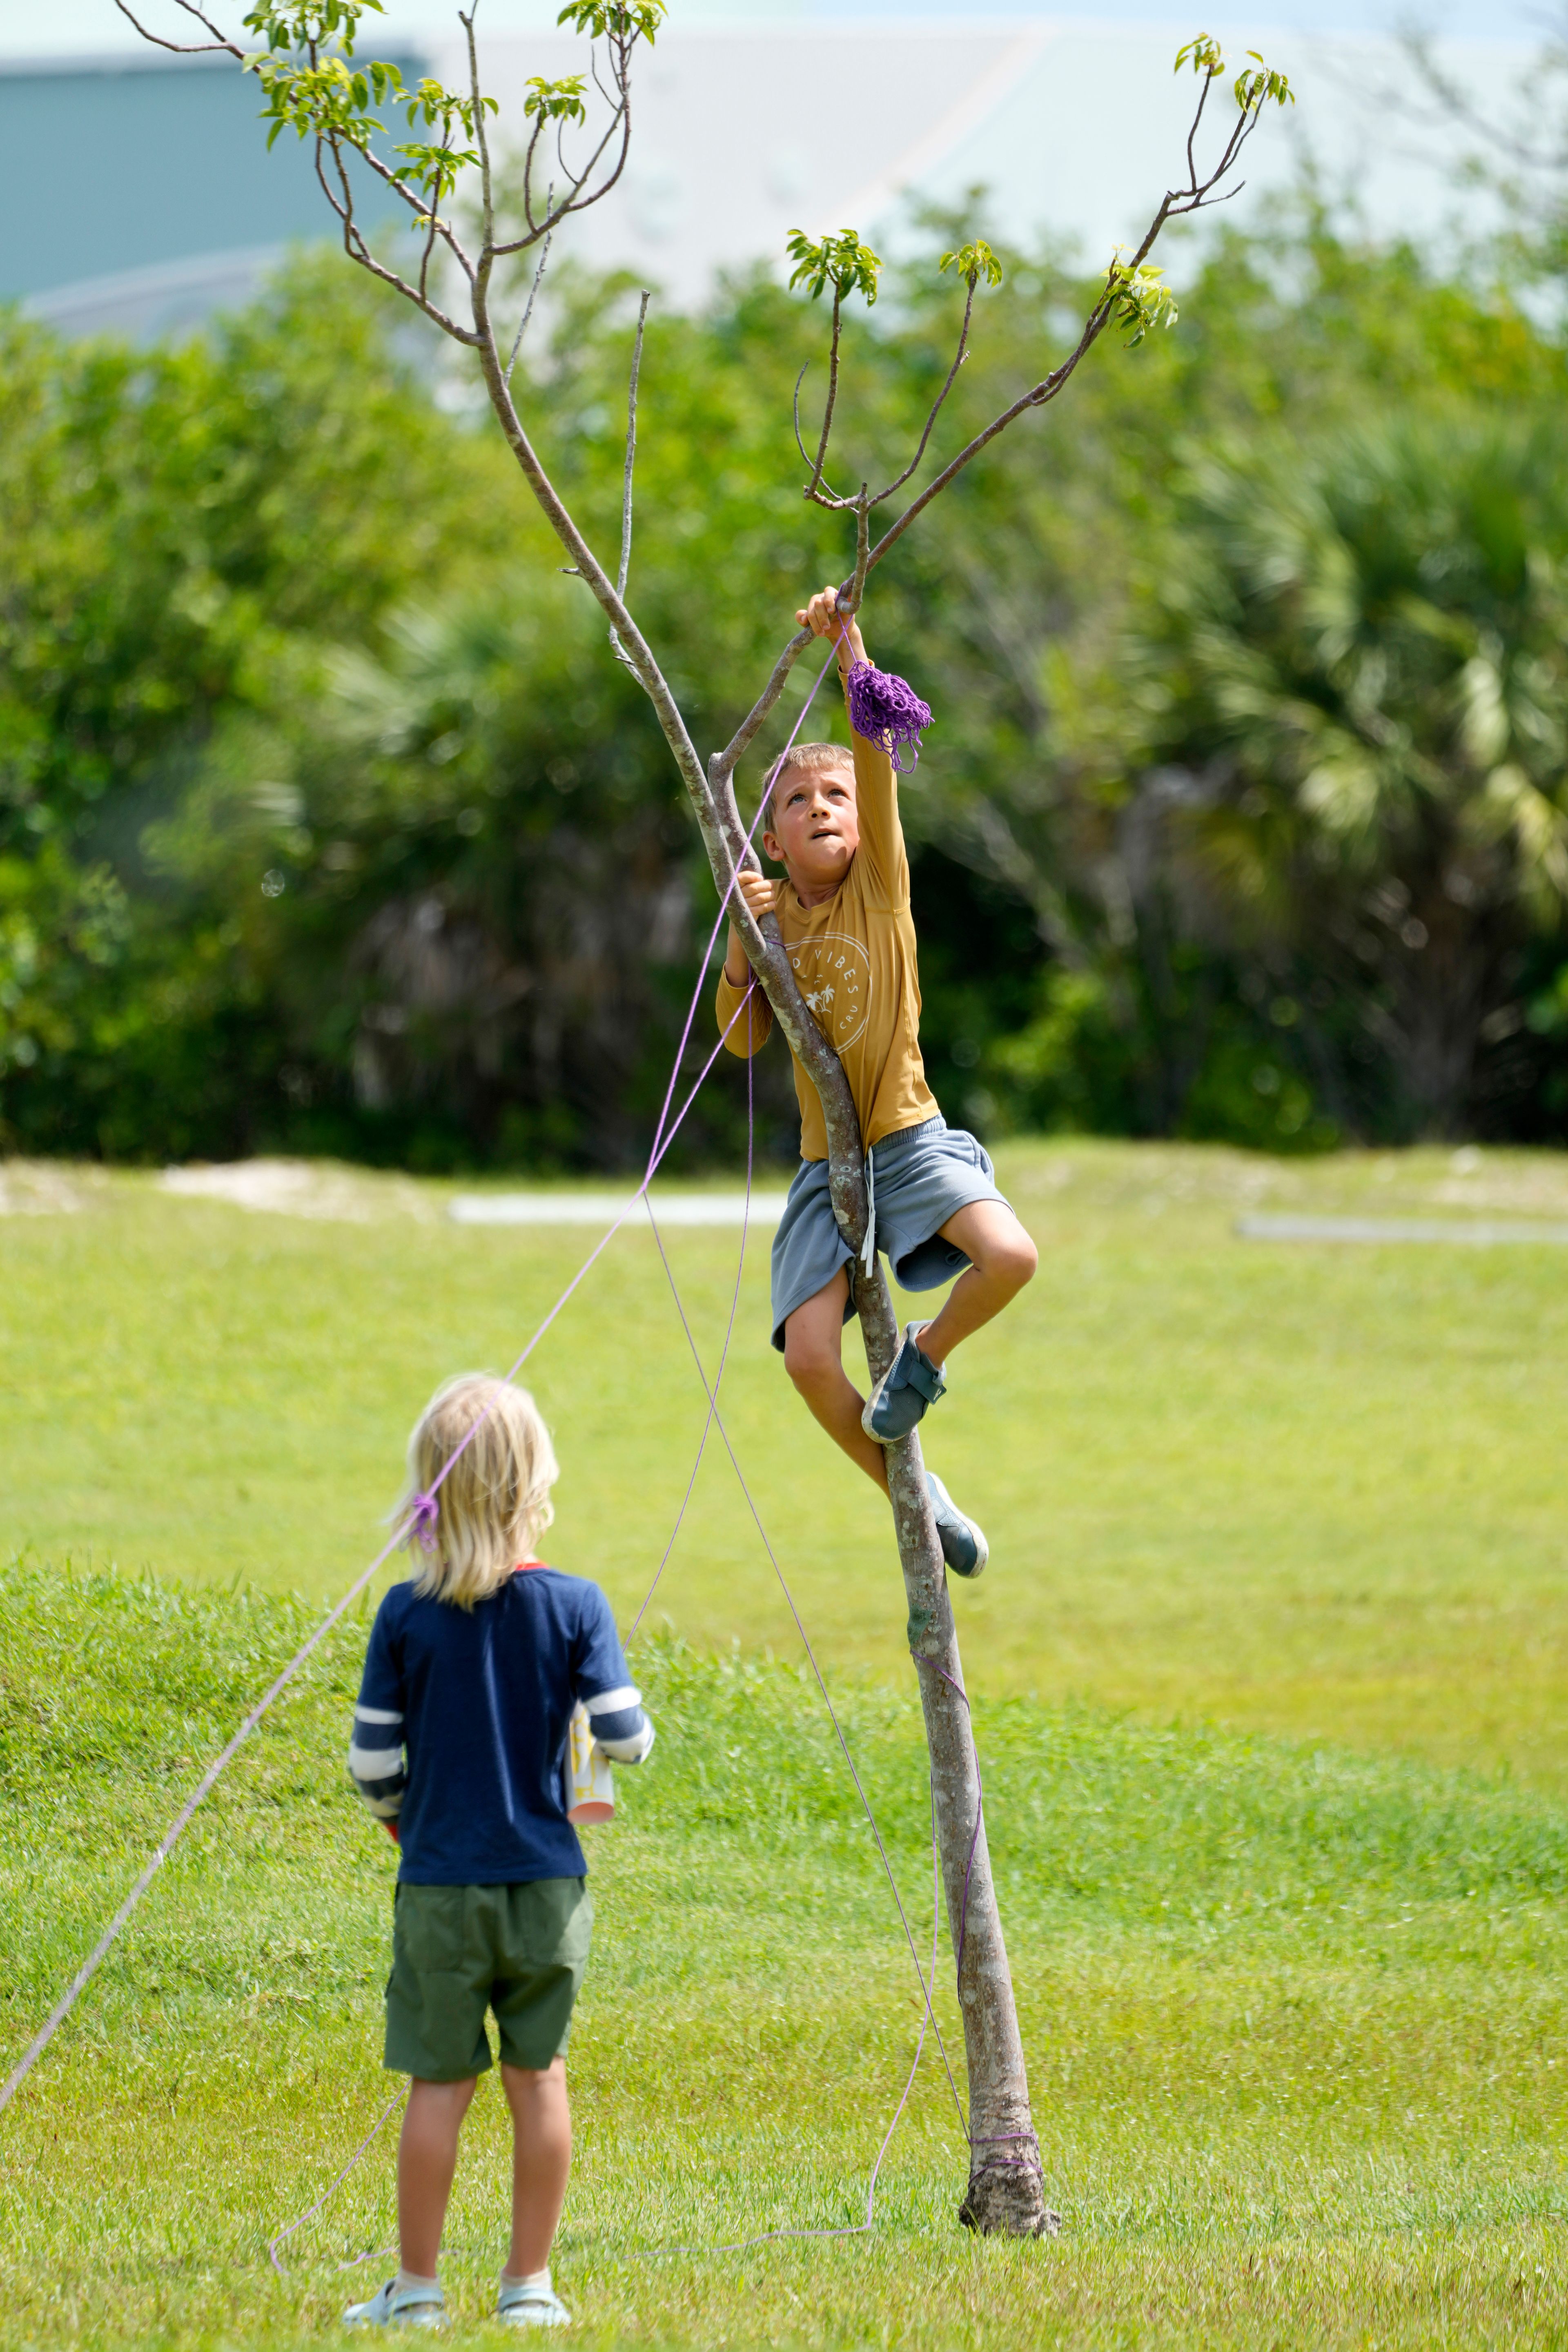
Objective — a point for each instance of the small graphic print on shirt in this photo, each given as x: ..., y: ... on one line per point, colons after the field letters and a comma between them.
x: 835, y: 976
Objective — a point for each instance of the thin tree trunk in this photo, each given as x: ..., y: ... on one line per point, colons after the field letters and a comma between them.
x: 1005, y: 2190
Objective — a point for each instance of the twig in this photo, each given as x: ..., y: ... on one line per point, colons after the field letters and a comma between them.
x: 631, y: 446
x: 936, y: 406
x: 576, y: 202
x: 1209, y: 79
x: 631, y: 462
x: 487, y: 188
x: 812, y: 487
x: 862, y: 547
x: 800, y: 445
x: 528, y: 311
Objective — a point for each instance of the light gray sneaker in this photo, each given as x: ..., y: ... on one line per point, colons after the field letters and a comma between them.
x: 391, y: 2307
x: 964, y: 1543
x: 911, y: 1383
x: 531, y: 2307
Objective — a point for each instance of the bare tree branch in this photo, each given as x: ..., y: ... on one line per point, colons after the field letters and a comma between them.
x: 358, y: 250
x: 219, y: 43
x: 723, y: 762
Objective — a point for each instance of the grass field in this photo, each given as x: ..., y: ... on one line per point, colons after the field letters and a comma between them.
x: 1269, y: 1668
x: 1310, y: 1490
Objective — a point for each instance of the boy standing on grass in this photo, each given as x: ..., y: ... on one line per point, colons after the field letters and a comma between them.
x: 474, y: 1669
x: 844, y: 913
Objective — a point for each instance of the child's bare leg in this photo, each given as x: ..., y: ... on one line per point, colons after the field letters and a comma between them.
x: 541, y: 2160
x: 814, y: 1359
x: 426, y: 2160
x: 1003, y: 1259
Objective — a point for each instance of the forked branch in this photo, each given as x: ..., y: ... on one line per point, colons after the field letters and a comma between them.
x: 973, y: 261
x: 1134, y: 294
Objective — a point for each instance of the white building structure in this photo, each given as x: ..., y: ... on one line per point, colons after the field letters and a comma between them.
x: 143, y: 195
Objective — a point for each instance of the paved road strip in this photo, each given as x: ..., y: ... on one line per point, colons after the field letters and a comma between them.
x: 596, y: 1208
x: 1472, y: 1232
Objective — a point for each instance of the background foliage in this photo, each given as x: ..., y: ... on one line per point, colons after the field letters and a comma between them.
x: 327, y: 822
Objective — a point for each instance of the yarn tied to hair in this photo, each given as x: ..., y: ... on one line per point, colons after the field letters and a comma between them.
x: 424, y: 1512
x: 886, y: 709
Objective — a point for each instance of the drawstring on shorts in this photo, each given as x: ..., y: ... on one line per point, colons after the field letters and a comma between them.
x: 869, y: 1246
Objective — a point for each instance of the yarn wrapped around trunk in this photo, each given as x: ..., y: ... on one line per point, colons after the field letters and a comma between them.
x: 885, y: 709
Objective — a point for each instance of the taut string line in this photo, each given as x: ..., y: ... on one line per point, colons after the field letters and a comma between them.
x: 421, y: 1515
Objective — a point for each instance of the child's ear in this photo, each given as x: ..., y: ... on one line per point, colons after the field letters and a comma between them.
x: 771, y: 847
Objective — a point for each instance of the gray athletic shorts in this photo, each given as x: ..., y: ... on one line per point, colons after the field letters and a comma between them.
x: 922, y: 1175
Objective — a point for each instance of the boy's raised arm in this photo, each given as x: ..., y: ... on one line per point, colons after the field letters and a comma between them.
x: 884, y: 865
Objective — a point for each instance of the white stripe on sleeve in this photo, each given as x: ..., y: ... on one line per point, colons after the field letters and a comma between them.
x: 611, y: 1702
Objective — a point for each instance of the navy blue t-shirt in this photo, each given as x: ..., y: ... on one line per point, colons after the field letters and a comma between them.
x: 481, y: 1699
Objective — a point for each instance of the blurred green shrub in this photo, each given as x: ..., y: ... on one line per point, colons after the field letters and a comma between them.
x: 327, y: 822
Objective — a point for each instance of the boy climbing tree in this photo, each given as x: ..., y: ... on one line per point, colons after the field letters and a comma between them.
x: 843, y: 913
x: 573, y: 148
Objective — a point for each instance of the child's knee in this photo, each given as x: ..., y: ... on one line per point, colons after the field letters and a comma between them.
x: 811, y: 1357
x: 526, y: 2086
x: 1012, y: 1255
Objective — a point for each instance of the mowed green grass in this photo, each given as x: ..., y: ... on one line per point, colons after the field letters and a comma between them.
x: 1317, y: 1491
x: 1294, y: 2017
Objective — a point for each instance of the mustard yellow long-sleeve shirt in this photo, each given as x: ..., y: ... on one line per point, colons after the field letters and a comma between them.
x: 855, y: 957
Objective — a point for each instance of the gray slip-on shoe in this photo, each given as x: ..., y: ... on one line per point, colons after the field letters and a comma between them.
x: 531, y: 2307
x: 964, y: 1543
x: 901, y: 1397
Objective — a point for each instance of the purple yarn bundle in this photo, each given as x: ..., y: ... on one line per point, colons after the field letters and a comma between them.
x: 886, y: 710
x: 423, y: 1517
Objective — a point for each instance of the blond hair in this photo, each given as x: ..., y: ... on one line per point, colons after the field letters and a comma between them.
x: 814, y: 758
x: 495, y: 1499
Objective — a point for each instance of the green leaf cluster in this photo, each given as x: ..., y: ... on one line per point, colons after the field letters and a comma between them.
x: 972, y: 262
x: 843, y: 262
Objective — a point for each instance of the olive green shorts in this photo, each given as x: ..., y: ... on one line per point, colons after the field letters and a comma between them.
x: 459, y: 1950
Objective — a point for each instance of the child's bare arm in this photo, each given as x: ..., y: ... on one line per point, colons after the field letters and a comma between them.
x: 881, y: 849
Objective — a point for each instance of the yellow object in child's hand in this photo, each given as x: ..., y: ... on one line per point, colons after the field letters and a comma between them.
x: 592, y: 1785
